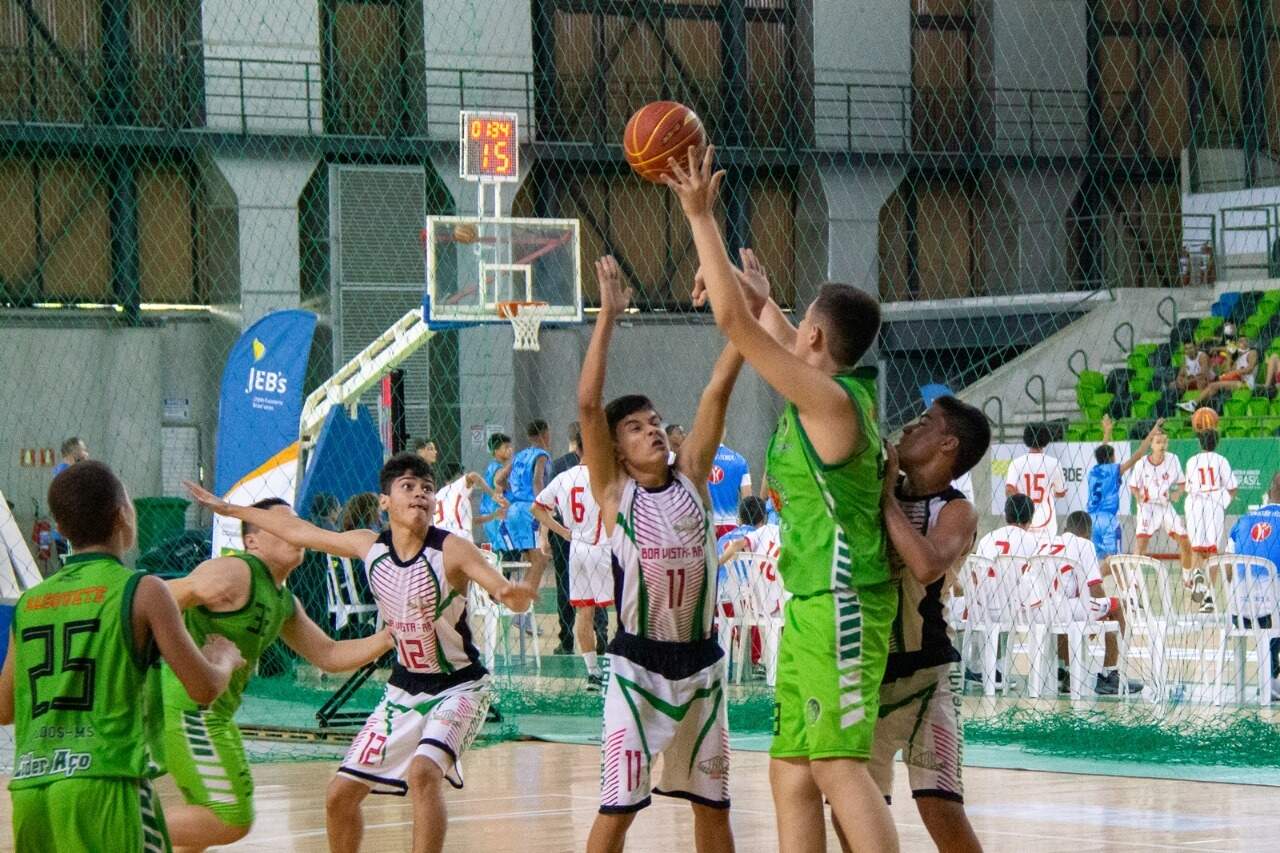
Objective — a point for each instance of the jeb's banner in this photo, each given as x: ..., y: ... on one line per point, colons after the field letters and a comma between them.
x: 258, y: 414
x: 1076, y: 459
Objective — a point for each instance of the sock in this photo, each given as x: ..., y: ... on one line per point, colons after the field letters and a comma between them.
x: 1108, y: 671
x: 593, y: 667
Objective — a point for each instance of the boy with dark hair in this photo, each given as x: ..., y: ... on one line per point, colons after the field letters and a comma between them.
x: 1038, y: 475
x: 82, y: 767
x: 244, y: 597
x: 1105, y: 480
x: 436, y: 697
x: 666, y: 691
x: 493, y: 514
x: 427, y: 450
x: 826, y: 470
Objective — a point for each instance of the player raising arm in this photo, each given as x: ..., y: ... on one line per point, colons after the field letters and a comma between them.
x: 82, y: 767
x: 666, y: 692
x: 826, y: 468
x: 436, y: 697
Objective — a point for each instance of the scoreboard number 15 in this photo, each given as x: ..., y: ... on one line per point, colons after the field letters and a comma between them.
x: 489, y: 146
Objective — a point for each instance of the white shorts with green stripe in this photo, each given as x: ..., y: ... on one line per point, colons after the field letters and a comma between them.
x: 920, y: 715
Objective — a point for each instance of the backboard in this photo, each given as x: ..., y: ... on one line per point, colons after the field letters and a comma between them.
x: 474, y: 263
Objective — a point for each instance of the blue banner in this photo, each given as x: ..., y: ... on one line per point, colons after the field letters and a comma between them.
x: 345, y: 460
x: 258, y: 413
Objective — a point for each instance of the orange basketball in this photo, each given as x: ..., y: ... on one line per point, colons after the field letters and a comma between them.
x: 466, y: 233
x: 658, y: 131
x: 1204, y: 419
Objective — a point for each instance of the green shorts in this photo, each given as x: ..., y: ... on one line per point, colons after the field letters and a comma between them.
x: 89, y: 816
x: 205, y: 755
x: 832, y: 659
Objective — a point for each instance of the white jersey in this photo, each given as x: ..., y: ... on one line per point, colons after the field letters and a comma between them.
x: 1152, y: 483
x: 766, y: 541
x: 1039, y: 477
x: 1209, y: 475
x: 1007, y: 541
x: 1191, y: 366
x: 569, y: 494
x: 1074, y: 577
x: 453, y: 508
x: 429, y: 619
x: 664, y: 562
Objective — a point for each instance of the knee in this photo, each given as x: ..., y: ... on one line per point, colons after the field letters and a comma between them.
x: 424, y: 776
x: 710, y: 817
x: 343, y: 795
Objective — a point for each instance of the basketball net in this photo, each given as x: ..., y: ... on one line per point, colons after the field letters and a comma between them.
x: 526, y: 320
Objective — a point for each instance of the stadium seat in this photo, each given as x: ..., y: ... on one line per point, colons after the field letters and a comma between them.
x: 1096, y: 405
x: 1144, y: 406
x: 1259, y: 407
x: 1225, y: 304
x: 1118, y: 381
x: 1229, y: 428
x: 1235, y: 409
x: 1140, y: 381
x: 1121, y: 406
x: 1077, y: 431
x: 1136, y: 360
x: 1177, y: 428
x: 1244, y: 308
x: 1242, y: 394
x: 1183, y: 331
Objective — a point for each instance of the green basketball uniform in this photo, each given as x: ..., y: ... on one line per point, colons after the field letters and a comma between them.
x: 834, y: 564
x: 203, y: 749
x: 82, y: 765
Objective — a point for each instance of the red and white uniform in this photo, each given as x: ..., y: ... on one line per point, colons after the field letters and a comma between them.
x: 1060, y: 589
x: 1210, y: 482
x: 1007, y: 541
x: 1152, y: 484
x: 766, y: 541
x: 569, y: 494
x: 453, y: 508
x: 1039, y: 477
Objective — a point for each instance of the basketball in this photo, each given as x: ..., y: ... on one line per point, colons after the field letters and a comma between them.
x: 657, y: 132
x: 1204, y: 419
x: 466, y: 233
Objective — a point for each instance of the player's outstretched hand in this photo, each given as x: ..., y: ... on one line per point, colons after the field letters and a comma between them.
x: 220, y: 651
x: 890, y: 471
x: 206, y: 498
x: 696, y: 183
x: 615, y: 296
x: 752, y: 277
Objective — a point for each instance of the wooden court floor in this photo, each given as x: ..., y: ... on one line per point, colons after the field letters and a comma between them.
x: 540, y: 798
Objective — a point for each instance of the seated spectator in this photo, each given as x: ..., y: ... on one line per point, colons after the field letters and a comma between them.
x: 734, y: 576
x: 1195, y: 372
x: 361, y: 513
x: 1242, y: 369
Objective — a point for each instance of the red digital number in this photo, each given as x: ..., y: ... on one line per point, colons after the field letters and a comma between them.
x: 576, y: 506
x: 1003, y: 546
x: 1211, y: 480
x: 634, y: 767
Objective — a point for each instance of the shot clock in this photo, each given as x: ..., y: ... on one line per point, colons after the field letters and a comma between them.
x: 490, y: 146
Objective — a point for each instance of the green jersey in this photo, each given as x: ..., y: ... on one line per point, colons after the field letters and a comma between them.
x: 252, y: 628
x: 78, y: 678
x: 832, y: 526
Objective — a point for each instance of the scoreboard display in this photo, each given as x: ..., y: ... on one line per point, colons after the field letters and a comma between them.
x: 489, y: 146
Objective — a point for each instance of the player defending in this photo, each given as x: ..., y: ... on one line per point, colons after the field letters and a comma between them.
x: 590, y: 586
x: 435, y: 700
x: 931, y: 527
x: 1211, y: 486
x: 242, y: 596
x: 826, y: 468
x: 82, y: 770
x: 666, y: 692
x: 1156, y: 482
x: 1038, y: 475
x: 1105, y: 479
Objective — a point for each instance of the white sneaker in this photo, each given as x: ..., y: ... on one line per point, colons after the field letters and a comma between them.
x: 1187, y: 405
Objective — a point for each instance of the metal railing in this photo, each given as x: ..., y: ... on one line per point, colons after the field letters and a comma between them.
x: 1115, y: 336
x: 998, y: 420
x: 1042, y: 400
x: 1249, y: 238
x: 1071, y: 362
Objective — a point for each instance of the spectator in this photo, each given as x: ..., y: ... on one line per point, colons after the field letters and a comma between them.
x: 73, y: 450
x: 1038, y: 475
x: 325, y: 511
x: 560, y: 549
x: 496, y: 474
x: 361, y: 513
x: 426, y: 449
x: 1195, y: 372
x: 734, y: 576
x: 728, y: 483
x: 1105, y: 480
x: 1257, y: 534
x: 1241, y: 372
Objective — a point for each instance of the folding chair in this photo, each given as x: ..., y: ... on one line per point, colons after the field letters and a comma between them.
x: 991, y: 606
x: 1151, y: 612
x: 1251, y: 597
x: 1049, y: 618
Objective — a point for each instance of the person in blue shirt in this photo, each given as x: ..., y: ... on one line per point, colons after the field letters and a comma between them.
x: 73, y: 450
x: 1105, y: 481
x: 1257, y: 534
x: 528, y: 477
x: 492, y: 515
x: 728, y: 483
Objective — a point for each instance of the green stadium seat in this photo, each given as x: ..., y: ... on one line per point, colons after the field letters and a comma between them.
x: 1077, y: 431
x: 1235, y: 409
x: 1251, y: 328
x: 1096, y: 406
x: 1093, y: 433
x: 1259, y: 407
x: 1091, y: 379
x: 1122, y: 431
x: 1270, y: 297
x: 1233, y: 428
x: 1189, y: 395
x: 1242, y: 394
x: 1143, y: 376
x: 1177, y: 428
x: 1143, y: 408
x: 1136, y: 360
x: 1270, y: 425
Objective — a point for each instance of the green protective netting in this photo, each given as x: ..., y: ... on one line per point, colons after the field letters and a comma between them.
x: 1049, y: 198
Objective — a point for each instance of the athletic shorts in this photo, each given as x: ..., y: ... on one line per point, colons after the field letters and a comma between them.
x: 920, y: 715
x: 522, y: 527
x: 1153, y: 516
x: 1205, y: 522
x: 1106, y: 534
x: 834, y: 649
x: 647, y: 714
x: 590, y: 575
x: 1074, y: 610
x: 205, y: 755
x: 439, y: 726
x: 495, y: 533
x: 89, y: 816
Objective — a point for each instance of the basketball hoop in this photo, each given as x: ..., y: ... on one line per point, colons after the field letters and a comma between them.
x: 526, y: 319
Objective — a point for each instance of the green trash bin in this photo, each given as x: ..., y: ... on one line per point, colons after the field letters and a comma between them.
x: 159, y: 519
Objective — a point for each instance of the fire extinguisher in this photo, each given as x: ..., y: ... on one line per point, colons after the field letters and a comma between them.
x: 42, y: 538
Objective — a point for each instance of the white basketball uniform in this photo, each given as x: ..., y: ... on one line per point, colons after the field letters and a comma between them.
x: 766, y: 541
x: 1210, y: 482
x: 1191, y: 366
x: 1065, y: 594
x: 453, y: 508
x: 666, y: 690
x: 438, y: 693
x: 1039, y: 477
x: 569, y: 494
x: 1007, y: 541
x: 1152, y: 484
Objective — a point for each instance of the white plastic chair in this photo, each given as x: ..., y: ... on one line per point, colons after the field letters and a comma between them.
x: 732, y: 631
x: 345, y: 604
x: 768, y: 599
x: 992, y: 611
x: 1049, y: 619
x: 1252, y: 593
x: 1152, y: 612
x: 492, y: 616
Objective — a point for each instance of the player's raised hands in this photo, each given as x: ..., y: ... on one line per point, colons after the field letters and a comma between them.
x: 695, y: 182
x: 752, y: 277
x: 206, y: 498
x: 615, y: 296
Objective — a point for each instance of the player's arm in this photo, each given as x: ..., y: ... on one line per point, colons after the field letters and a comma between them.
x: 733, y: 549
x: 501, y: 478
x: 1058, y: 484
x: 290, y: 528
x: 756, y: 287
x: 1011, y: 479
x: 699, y: 448
x: 597, y: 444
x: 539, y: 474
x: 218, y: 584
x: 825, y: 407
x: 461, y: 557
x: 6, y: 683
x: 306, y: 638
x: 204, y: 672
x: 475, y: 481
x: 544, y: 516
x: 927, y: 557
x: 1143, y: 448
